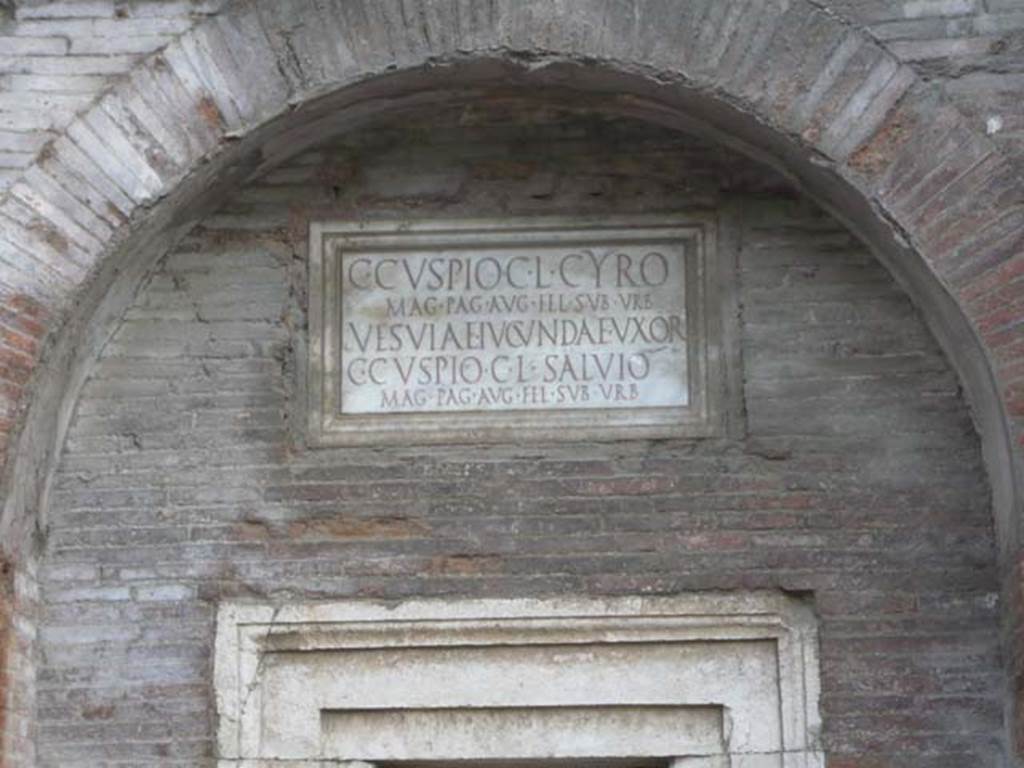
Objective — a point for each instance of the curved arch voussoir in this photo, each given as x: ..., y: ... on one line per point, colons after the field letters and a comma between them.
x: 783, y: 76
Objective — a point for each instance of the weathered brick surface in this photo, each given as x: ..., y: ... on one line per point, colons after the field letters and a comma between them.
x: 6, y: 638
x: 18, y: 614
x: 224, y: 78
x: 974, y: 48
x: 859, y: 478
x: 56, y: 56
x: 824, y: 81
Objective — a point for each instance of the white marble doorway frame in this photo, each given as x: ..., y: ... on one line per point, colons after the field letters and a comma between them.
x: 703, y: 680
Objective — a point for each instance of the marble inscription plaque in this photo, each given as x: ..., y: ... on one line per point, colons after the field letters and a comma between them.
x: 432, y: 331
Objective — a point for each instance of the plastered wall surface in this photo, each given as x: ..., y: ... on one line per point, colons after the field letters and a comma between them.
x: 853, y: 471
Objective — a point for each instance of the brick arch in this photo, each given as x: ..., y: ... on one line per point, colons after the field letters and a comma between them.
x: 783, y: 80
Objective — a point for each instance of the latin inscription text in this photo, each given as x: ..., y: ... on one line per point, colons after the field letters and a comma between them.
x: 504, y: 329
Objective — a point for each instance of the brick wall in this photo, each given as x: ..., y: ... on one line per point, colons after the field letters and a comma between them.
x: 859, y: 478
x: 6, y: 637
x: 56, y: 56
x: 975, y: 48
x: 18, y: 614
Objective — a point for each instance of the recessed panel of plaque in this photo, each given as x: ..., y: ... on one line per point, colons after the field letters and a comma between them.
x: 513, y: 330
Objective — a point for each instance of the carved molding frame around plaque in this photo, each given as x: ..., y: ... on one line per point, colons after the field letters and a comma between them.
x: 699, y: 680
x: 543, y: 329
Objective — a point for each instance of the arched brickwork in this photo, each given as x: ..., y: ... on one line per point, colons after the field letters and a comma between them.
x: 781, y: 79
